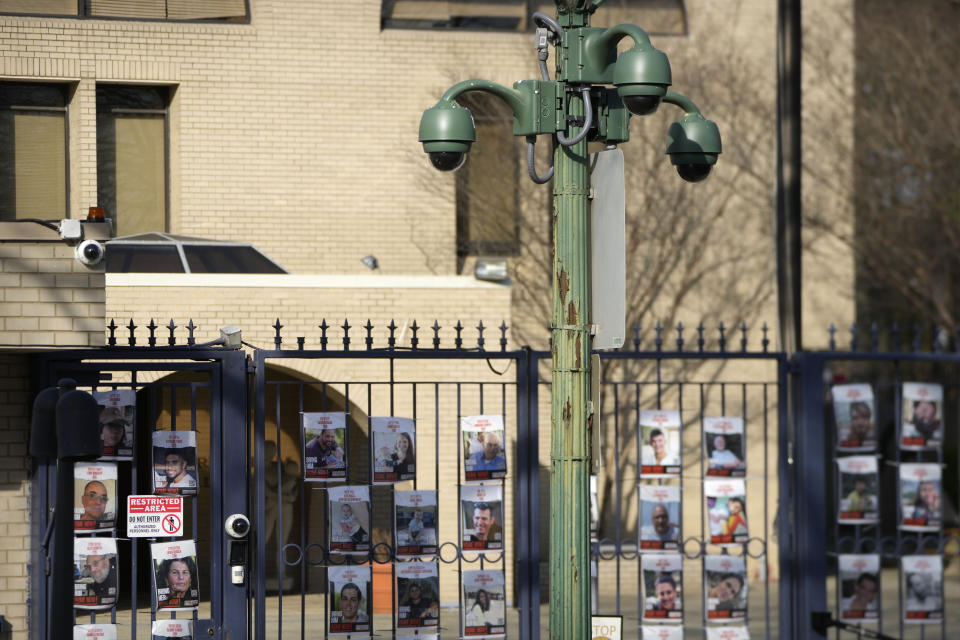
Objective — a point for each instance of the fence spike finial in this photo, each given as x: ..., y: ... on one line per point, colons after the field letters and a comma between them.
x: 346, y: 334
x: 191, y: 339
x: 369, y: 339
x: 700, y: 340
x: 503, y: 335
x: 112, y: 338
x: 436, y: 334
x: 152, y: 337
x: 636, y: 335
x: 832, y: 330
x: 392, y: 338
x: 301, y: 342
x: 414, y: 340
x: 458, y: 341
x: 658, y: 341
x: 277, y: 340
x: 132, y: 338
x: 480, y: 341
x: 854, y: 329
x: 743, y: 334
x: 323, y: 334
x: 766, y: 338
x: 679, y: 336
x: 171, y: 327
x: 723, y: 338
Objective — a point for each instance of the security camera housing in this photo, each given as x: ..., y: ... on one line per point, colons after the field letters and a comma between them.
x: 90, y: 252
x: 237, y: 526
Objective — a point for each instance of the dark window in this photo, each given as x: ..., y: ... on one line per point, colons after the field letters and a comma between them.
x: 33, y: 150
x: 132, y: 157
x: 488, y: 183
x: 227, y: 259
x: 655, y: 16
x: 227, y: 10
x: 142, y: 258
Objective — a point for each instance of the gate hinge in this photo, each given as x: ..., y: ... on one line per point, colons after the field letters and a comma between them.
x: 251, y: 366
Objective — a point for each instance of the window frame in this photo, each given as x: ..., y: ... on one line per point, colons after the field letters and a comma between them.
x: 67, y: 90
x: 84, y: 12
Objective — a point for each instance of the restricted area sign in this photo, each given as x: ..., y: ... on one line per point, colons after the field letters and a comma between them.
x: 154, y: 516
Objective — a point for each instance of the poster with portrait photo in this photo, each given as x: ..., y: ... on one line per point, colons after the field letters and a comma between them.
x: 854, y: 411
x: 175, y: 577
x: 172, y: 630
x: 859, y: 484
x: 659, y: 444
x: 659, y: 517
x: 922, y: 426
x: 94, y: 632
x: 662, y: 587
x: 723, y: 439
x: 94, y: 573
x: 728, y: 633
x: 920, y: 497
x: 662, y: 632
x: 726, y: 511
x: 859, y: 577
x: 481, y: 520
x: 323, y: 437
x: 118, y: 410
x: 922, y: 586
x: 484, y: 610
x: 350, y: 599
x: 94, y: 496
x: 175, y: 462
x: 415, y: 523
x: 417, y: 591
x: 725, y: 587
x: 349, y: 519
x: 394, y: 453
x: 484, y: 447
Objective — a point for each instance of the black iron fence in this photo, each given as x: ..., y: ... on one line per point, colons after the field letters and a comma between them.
x: 246, y: 409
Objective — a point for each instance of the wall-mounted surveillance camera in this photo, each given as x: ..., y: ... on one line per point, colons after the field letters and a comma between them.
x: 237, y: 526
x: 90, y: 252
x: 447, y: 131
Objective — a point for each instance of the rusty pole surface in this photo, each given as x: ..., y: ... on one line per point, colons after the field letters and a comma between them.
x: 570, y: 423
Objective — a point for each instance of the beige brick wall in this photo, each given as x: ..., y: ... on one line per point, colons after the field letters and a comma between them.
x: 49, y: 298
x: 14, y: 493
x: 301, y: 303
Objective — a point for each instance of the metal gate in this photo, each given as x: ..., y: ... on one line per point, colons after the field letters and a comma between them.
x: 250, y: 463
x: 177, y: 388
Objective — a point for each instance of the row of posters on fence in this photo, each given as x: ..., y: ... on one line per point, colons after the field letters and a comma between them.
x: 394, y: 448
x: 725, y: 588
x: 920, y: 490
x: 160, y: 630
x: 660, y: 515
x: 95, y: 499
x: 660, y: 450
x: 417, y: 585
x: 921, y: 586
x: 176, y: 583
x: 415, y: 520
x: 921, y: 417
x: 174, y: 452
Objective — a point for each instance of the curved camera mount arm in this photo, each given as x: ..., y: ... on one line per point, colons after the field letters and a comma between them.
x: 682, y: 101
x: 517, y: 102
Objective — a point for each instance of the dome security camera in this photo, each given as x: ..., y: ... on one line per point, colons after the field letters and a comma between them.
x: 237, y: 526
x: 642, y: 75
x: 90, y: 252
x: 447, y: 131
x: 693, y: 144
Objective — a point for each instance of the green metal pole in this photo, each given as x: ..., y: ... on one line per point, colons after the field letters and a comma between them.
x: 570, y: 441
